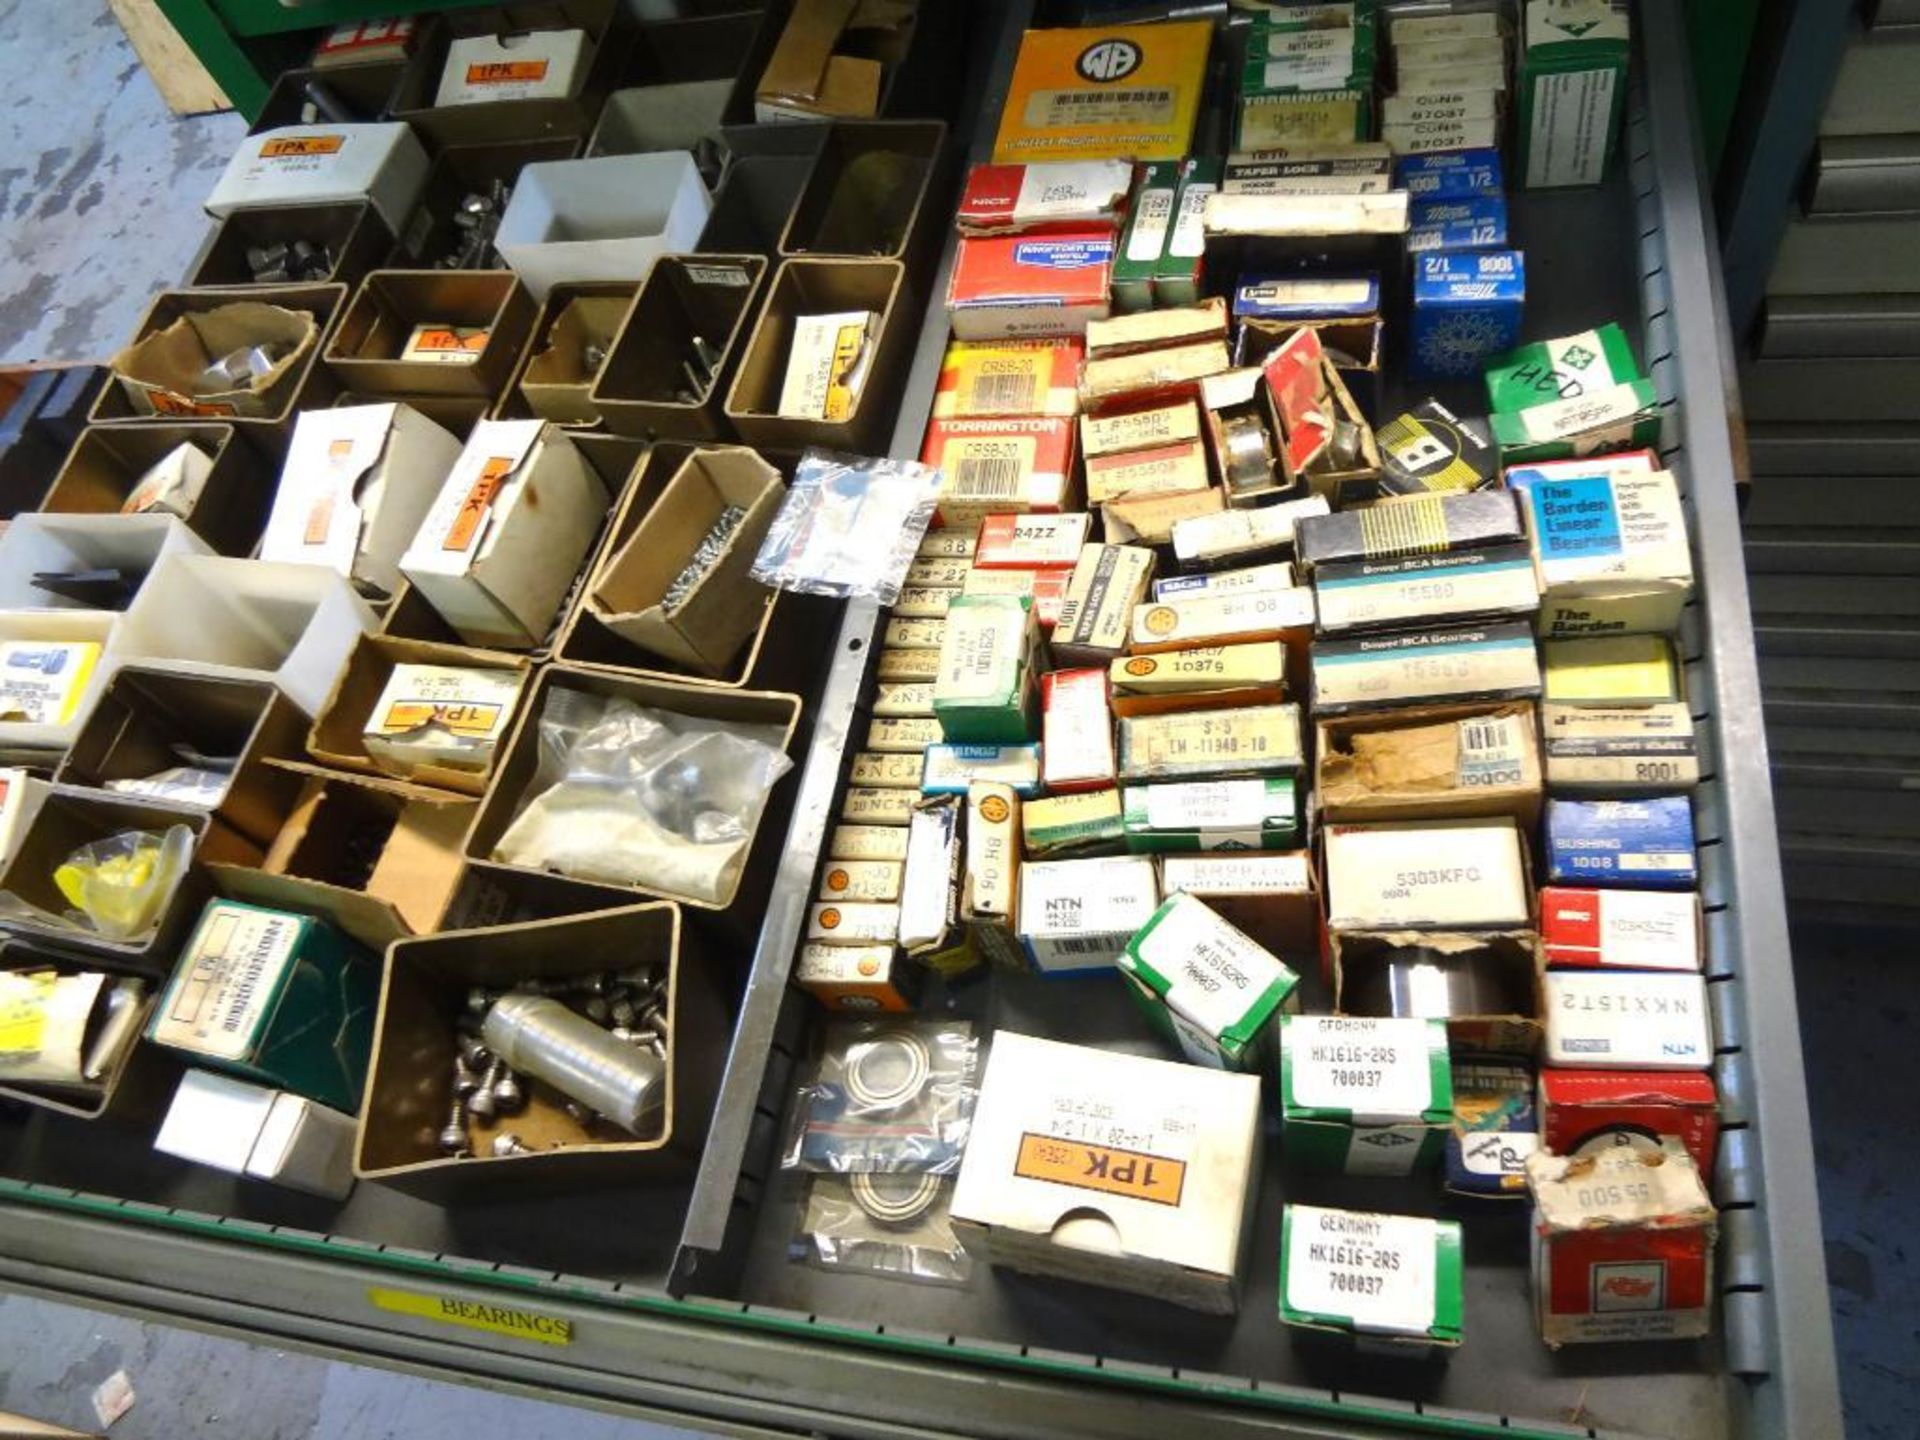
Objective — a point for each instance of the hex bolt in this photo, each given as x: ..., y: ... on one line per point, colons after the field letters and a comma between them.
x: 653, y: 1015
x: 657, y: 1044
x: 504, y: 1145
x: 453, y: 1139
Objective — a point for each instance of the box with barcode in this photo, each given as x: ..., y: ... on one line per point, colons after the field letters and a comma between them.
x: 1394, y: 1284
x: 1427, y: 667
x: 1108, y: 581
x: 1207, y: 988
x: 1302, y: 117
x: 990, y: 466
x: 1083, y: 824
x: 1493, y: 584
x: 1430, y: 763
x: 1615, y: 417
x: 1010, y: 377
x: 1094, y: 93
x: 1031, y: 542
x: 1572, y: 90
x: 1077, y: 915
x: 1364, y: 1096
x: 277, y: 997
x: 1245, y: 741
x: 1144, y: 241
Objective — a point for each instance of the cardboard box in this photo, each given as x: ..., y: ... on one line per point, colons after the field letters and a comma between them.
x: 262, y: 1134
x: 1431, y: 450
x: 1204, y: 677
x: 990, y: 878
x: 1619, y: 751
x: 350, y: 234
x: 36, y: 544
x: 159, y: 372
x: 1011, y: 465
x: 1412, y: 525
x: 1622, y: 1247
x: 1483, y: 984
x: 1076, y: 730
x: 644, y: 389
x: 1077, y: 915
x: 1364, y: 1096
x: 1452, y: 762
x: 1252, y: 814
x: 1491, y: 662
x: 291, y: 625
x: 858, y: 978
x: 1466, y: 309
x: 893, y: 772
x: 43, y: 683
x: 554, y: 380
x: 320, y: 164
x: 125, y: 1089
x: 1275, y: 575
x: 1144, y: 241
x: 1021, y: 286
x: 876, y: 805
x: 1165, y: 469
x: 1571, y: 87
x: 1046, y: 588
x: 907, y: 634
x: 930, y: 887
x: 1126, y: 91
x: 1149, y: 519
x: 1302, y: 117
x: 1627, y: 1020
x: 1236, y: 537
x: 1108, y: 581
x: 917, y: 602
x: 1269, y: 895
x: 704, y: 628
x: 1587, y: 1112
x: 861, y: 923
x: 1439, y: 874
x: 364, y: 705
x: 808, y: 76
x: 603, y: 219
x: 1081, y: 825
x: 119, y: 469
x: 1332, y: 175
x: 356, y: 486
x: 1392, y: 1284
x: 431, y: 332
x: 531, y: 65
x: 1450, y: 175
x: 906, y: 699
x: 1612, y: 671
x: 1111, y: 1169
x: 1210, y: 991
x: 1150, y: 375
x: 1307, y: 403
x: 1010, y: 199
x: 1492, y: 584
x: 1615, y: 418
x: 1496, y: 1126
x: 49, y: 633
x: 1277, y: 301
x: 1611, y: 551
x: 955, y: 769
x: 1177, y: 278
x: 868, y: 192
x: 1154, y: 330
x: 21, y: 796
x: 1139, y: 430
x: 1036, y: 542
x: 1235, y: 619
x: 507, y: 533
x: 1620, y: 929
x: 1248, y: 741
x: 1646, y: 844
x: 903, y: 735
x: 988, y: 671
x: 276, y: 997
x: 1009, y: 378
x: 424, y: 995
x: 1478, y: 223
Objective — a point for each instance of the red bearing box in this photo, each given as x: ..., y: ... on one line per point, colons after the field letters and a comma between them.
x: 1620, y: 929
x: 1047, y: 195
x: 1584, y: 1111
x: 1004, y: 466
x: 1015, y: 286
x: 1031, y: 542
x: 1076, y: 736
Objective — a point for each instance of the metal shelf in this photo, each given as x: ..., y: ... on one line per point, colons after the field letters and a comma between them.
x: 760, y: 1342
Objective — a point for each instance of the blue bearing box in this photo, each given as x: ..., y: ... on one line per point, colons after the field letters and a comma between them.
x: 1466, y: 309
x: 1471, y: 224
x: 1451, y: 174
x: 1496, y: 1125
x: 1307, y: 297
x: 1635, y: 844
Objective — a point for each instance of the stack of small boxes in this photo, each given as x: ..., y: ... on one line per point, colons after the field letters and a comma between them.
x: 1308, y: 77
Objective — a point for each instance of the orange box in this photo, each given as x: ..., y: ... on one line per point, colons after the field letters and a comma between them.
x: 1127, y: 92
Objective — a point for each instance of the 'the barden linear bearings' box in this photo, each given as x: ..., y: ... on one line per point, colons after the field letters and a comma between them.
x: 1610, y: 549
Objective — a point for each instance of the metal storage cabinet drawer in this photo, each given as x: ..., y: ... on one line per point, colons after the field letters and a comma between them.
x: 863, y: 1357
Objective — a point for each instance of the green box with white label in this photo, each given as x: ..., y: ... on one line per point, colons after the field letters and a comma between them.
x: 1572, y: 90
x: 1364, y: 1096
x: 983, y: 691
x: 1393, y: 1284
x: 1207, y: 988
x: 1571, y: 396
x: 1143, y: 243
x: 277, y: 997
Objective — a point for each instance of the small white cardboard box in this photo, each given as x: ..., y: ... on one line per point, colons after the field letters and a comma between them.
x: 604, y: 219
x: 266, y: 1134
x: 538, y: 65
x: 324, y: 164
x: 291, y: 625
x: 20, y: 739
x: 21, y: 797
x: 507, y: 534
x: 356, y: 486
x: 36, y: 543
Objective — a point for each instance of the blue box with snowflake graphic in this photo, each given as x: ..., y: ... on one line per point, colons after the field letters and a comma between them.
x: 1466, y: 309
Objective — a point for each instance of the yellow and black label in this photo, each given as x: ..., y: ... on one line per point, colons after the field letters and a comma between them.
x: 1106, y: 1168
x: 288, y: 147
x: 496, y: 1319
x: 1413, y: 526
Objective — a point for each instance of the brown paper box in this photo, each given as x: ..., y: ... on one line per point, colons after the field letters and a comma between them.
x: 142, y: 714
x: 638, y: 389
x: 106, y: 463
x: 337, y: 737
x: 377, y: 858
x: 455, y: 414
x: 365, y: 351
x: 1516, y: 952
x: 409, y: 1086
x: 823, y: 287
x: 1404, y: 765
x: 554, y: 382
x: 513, y: 782
x: 706, y: 630
x: 806, y: 75
x: 158, y: 373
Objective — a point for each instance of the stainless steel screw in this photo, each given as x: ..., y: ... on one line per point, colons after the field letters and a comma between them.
x: 464, y: 1080
x: 473, y: 1051
x: 481, y: 1104
x: 658, y: 1045
x: 453, y: 1139
x: 510, y: 1145
x: 508, y: 1094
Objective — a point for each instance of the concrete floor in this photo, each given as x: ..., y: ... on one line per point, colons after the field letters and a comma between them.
x: 100, y: 199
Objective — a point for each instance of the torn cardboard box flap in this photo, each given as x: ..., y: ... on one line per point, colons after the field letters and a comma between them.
x: 679, y: 587
x: 165, y: 373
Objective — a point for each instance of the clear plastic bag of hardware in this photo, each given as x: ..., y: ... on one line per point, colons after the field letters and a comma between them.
x: 117, y: 887
x: 895, y: 1225
x: 634, y: 796
x: 849, y: 526
x: 885, y: 1096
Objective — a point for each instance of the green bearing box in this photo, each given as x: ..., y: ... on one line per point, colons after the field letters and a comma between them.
x: 1569, y: 397
x: 1176, y: 279
x: 1255, y: 814
x: 1364, y: 1096
x: 1206, y: 987
x: 1392, y: 1284
x: 1143, y: 244
x: 983, y: 692
x: 1564, y: 368
x: 1308, y: 53
x: 280, y: 998
x: 1572, y: 90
